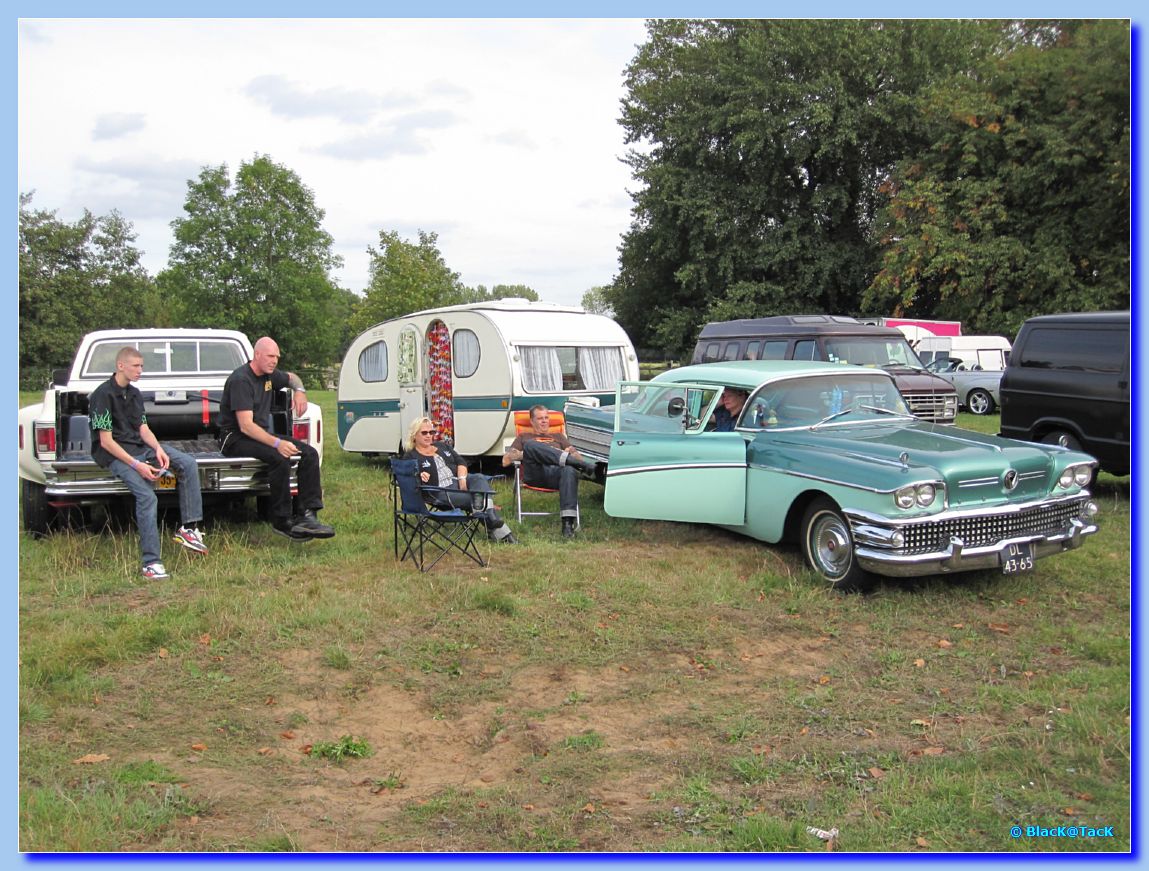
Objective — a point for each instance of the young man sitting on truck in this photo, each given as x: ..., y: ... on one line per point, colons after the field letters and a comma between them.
x: 244, y: 412
x: 123, y: 442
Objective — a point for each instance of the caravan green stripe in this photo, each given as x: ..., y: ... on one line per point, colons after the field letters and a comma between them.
x: 348, y: 411
x: 351, y: 410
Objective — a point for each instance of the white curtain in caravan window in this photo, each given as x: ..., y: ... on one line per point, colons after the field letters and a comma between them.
x: 465, y: 353
x: 541, y: 370
x: 601, y: 368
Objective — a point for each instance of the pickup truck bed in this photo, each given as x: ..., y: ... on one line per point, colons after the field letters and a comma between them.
x: 57, y: 471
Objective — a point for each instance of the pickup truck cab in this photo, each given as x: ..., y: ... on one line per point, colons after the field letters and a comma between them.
x: 184, y: 374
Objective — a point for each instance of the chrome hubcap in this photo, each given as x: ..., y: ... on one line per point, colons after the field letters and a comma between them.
x: 830, y: 545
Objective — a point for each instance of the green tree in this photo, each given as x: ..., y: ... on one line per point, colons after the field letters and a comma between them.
x: 597, y: 301
x: 254, y: 257
x: 479, y: 293
x: 407, y: 277
x: 761, y: 144
x: 74, y: 278
x: 520, y: 291
x: 1021, y: 203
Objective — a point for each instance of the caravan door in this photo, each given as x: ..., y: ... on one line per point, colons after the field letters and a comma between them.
x: 410, y: 374
x: 440, y: 389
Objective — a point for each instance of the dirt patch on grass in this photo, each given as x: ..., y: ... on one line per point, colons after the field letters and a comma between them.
x: 573, y: 721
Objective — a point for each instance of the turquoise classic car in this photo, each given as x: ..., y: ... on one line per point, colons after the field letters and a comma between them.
x: 829, y: 456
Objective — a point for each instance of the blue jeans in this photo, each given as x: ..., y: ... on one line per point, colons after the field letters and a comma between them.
x: 476, y: 484
x: 191, y: 503
x: 543, y: 467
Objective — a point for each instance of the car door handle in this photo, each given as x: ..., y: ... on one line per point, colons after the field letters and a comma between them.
x: 622, y: 442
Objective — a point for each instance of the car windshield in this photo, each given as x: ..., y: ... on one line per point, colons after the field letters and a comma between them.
x: 806, y: 402
x: 876, y: 351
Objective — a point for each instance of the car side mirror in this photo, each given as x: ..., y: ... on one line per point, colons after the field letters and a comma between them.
x: 676, y: 407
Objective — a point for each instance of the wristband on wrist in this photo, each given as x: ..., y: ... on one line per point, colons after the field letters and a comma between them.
x: 275, y: 444
x: 135, y: 463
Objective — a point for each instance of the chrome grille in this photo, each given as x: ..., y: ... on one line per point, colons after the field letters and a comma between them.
x: 586, y: 438
x: 930, y: 406
x: 985, y: 530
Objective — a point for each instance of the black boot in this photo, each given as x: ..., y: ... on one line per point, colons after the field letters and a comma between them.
x: 568, y: 527
x: 308, y: 524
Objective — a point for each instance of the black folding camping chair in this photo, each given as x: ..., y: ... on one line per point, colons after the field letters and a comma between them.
x: 429, y: 533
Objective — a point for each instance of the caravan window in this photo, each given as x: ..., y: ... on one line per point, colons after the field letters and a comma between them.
x: 710, y: 355
x: 466, y: 353
x: 563, y: 369
x: 373, y: 362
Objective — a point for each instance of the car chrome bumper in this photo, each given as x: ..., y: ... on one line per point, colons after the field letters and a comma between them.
x: 958, y: 557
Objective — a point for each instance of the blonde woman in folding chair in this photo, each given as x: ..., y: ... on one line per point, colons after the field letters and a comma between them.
x: 440, y: 466
x: 550, y: 461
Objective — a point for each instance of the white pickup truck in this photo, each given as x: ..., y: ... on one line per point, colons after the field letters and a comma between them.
x: 184, y: 374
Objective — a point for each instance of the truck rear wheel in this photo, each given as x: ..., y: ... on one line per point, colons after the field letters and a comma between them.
x: 34, y: 507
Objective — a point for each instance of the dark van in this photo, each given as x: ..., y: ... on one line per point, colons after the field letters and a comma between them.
x: 836, y: 339
x: 1067, y: 383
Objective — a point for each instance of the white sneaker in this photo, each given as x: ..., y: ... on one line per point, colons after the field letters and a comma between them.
x: 192, y: 539
x: 155, y: 572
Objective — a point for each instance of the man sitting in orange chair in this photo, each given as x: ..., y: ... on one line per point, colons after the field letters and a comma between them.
x: 550, y: 461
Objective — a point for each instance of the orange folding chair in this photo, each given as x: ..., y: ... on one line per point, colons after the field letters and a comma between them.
x: 523, y: 424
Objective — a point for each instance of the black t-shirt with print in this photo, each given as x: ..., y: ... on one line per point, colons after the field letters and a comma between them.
x: 246, y: 391
x: 120, y: 411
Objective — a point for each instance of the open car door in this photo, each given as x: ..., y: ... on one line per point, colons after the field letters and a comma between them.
x: 664, y: 465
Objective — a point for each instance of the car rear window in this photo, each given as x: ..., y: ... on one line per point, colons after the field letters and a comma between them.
x: 169, y: 356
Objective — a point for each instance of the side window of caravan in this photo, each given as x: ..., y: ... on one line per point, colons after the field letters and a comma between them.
x: 751, y: 351
x: 731, y: 352
x: 373, y: 362
x: 465, y: 351
x: 710, y: 355
x: 561, y: 369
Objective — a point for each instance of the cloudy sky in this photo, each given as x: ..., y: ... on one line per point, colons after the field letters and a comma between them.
x: 501, y: 136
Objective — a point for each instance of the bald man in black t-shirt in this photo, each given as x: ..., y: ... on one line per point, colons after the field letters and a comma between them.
x: 244, y: 413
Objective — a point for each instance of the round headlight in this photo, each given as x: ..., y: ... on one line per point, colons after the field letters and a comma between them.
x: 1082, y: 475
x: 1066, y: 479
x: 904, y: 498
x: 926, y: 494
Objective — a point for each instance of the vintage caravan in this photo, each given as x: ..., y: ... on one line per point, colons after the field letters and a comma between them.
x: 470, y: 367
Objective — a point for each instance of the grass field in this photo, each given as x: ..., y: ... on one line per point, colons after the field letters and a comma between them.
x: 648, y: 687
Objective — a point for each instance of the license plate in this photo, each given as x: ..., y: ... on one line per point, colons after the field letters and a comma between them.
x: 1017, y: 558
x: 166, y: 481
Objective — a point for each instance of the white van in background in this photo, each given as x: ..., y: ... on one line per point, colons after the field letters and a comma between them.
x: 990, y: 353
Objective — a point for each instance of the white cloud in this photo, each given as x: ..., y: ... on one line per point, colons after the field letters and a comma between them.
x: 499, y: 135
x: 118, y: 124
